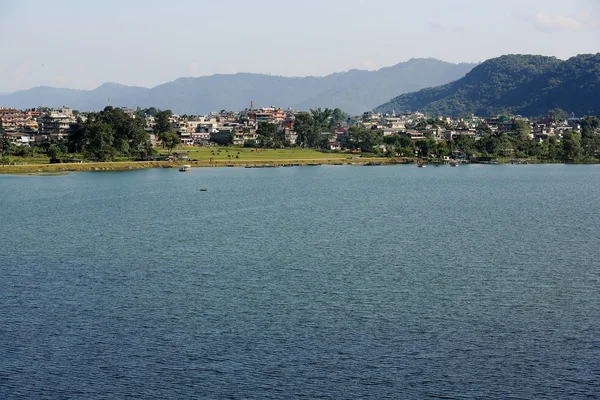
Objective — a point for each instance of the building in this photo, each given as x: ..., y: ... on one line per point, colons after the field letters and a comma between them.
x: 56, y: 124
x: 16, y: 121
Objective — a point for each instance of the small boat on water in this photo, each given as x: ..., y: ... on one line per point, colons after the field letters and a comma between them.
x: 185, y: 168
x: 421, y: 165
x: 454, y: 164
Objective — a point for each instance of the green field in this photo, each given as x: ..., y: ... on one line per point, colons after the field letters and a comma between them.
x: 198, y: 157
x: 251, y: 154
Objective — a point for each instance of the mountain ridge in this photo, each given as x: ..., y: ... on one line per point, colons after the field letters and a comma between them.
x: 354, y: 91
x: 519, y: 84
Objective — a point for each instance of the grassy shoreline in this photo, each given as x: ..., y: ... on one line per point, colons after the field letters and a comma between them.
x: 225, y: 157
x: 137, y: 165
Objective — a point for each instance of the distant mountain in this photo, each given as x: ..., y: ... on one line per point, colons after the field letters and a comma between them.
x: 354, y: 91
x: 518, y: 84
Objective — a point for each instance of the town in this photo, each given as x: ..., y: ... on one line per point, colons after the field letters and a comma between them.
x: 554, y: 137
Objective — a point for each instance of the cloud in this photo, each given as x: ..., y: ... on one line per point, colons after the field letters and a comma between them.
x: 565, y: 22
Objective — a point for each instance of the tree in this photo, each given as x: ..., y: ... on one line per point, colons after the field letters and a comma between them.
x: 322, y: 117
x: 554, y: 149
x: 465, y: 144
x: 483, y: 129
x: 589, y: 126
x: 425, y: 147
x: 170, y: 140
x: 558, y: 114
x: 4, y: 142
x: 364, y: 139
x: 590, y: 139
x: 98, y: 141
x: 338, y: 117
x: 306, y: 129
x: 522, y: 129
x: 572, y: 150
x: 399, y: 140
x: 75, y: 141
x: 267, y: 135
x: 54, y: 152
x: 162, y: 122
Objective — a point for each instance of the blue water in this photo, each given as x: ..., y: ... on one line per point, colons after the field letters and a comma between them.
x: 314, y: 282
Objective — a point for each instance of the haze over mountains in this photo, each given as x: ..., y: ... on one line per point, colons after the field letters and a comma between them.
x: 354, y: 91
x: 517, y: 84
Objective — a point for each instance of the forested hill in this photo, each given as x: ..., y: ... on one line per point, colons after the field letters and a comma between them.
x: 354, y: 91
x: 519, y: 84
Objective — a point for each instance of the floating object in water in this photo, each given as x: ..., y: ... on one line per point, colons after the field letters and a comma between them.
x: 203, y: 190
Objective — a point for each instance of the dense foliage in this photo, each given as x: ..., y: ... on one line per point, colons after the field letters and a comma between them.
x: 111, y: 132
x: 310, y: 126
x: 518, y: 84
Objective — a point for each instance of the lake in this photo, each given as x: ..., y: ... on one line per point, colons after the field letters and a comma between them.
x: 329, y: 282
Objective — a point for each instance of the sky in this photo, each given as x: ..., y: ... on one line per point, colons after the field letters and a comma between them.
x: 83, y: 44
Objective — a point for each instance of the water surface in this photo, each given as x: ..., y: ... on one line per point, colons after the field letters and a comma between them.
x: 314, y: 282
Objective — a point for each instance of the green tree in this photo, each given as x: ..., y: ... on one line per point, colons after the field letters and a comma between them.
x: 558, y: 114
x: 98, y: 141
x: 483, y: 129
x: 322, y: 117
x: 465, y: 145
x: 267, y: 135
x: 554, y: 150
x: 425, y: 147
x: 75, y: 141
x: 338, y: 117
x: 306, y: 129
x: 522, y: 129
x: 589, y: 125
x: 162, y: 123
x: 170, y: 140
x: 441, y: 149
x: 572, y: 150
x: 362, y: 138
x: 54, y: 152
x: 4, y: 142
x: 398, y: 140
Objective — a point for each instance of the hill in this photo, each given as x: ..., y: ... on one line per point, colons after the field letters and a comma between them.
x: 354, y: 91
x: 519, y: 84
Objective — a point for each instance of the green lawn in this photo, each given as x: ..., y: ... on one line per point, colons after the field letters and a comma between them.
x: 220, y: 154
x: 250, y: 154
x: 37, y: 159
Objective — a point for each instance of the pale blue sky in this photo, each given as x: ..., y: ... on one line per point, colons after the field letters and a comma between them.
x: 82, y: 44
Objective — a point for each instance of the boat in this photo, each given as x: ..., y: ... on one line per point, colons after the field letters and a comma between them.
x: 185, y: 168
x: 421, y: 165
x: 454, y: 164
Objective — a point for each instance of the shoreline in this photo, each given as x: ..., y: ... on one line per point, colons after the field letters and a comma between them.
x: 139, y: 165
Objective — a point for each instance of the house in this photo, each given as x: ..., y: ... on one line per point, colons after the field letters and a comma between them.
x: 56, y: 124
x: 12, y: 120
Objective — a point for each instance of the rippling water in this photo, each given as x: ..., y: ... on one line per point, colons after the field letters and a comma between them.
x: 313, y: 282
